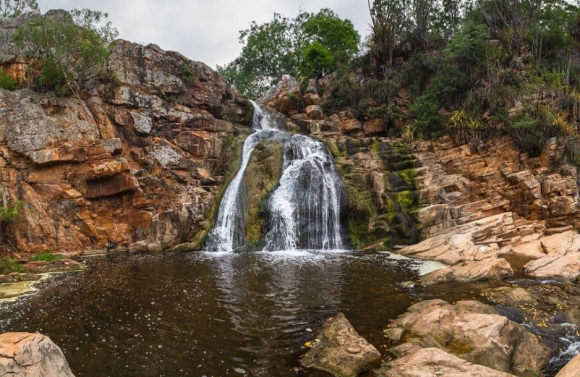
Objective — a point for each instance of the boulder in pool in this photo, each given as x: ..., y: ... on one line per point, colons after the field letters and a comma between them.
x: 31, y: 355
x: 340, y: 350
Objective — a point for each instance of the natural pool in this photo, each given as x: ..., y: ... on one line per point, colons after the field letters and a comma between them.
x: 215, y: 314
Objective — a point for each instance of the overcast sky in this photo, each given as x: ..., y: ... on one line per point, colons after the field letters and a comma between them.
x: 204, y: 30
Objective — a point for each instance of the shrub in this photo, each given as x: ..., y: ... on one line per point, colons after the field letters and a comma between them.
x: 6, y: 82
x: 9, y: 265
x: 47, y: 256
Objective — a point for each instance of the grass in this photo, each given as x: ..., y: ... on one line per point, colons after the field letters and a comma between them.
x: 8, y: 265
x: 47, y: 256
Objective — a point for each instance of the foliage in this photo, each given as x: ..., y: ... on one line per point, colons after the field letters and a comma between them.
x: 47, y: 256
x: 73, y: 48
x: 6, y: 82
x: 14, y: 8
x: 9, y: 265
x: 311, y: 45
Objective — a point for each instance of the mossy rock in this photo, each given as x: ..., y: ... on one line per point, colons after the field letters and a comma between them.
x: 262, y: 176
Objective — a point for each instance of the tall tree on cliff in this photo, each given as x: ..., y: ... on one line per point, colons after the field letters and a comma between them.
x: 14, y: 8
x: 308, y: 45
x: 72, y: 48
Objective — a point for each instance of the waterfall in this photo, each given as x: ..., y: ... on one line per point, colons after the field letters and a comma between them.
x: 304, y: 210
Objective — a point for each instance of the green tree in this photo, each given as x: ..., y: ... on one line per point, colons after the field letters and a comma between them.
x: 389, y: 20
x: 309, y: 44
x: 73, y: 49
x: 14, y: 8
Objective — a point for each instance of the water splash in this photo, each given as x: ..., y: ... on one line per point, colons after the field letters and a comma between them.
x: 304, y: 211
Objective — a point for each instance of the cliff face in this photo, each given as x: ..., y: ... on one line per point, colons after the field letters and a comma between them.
x: 136, y: 164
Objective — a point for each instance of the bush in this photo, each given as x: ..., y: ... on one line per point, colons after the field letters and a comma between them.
x: 6, y: 82
x: 9, y: 265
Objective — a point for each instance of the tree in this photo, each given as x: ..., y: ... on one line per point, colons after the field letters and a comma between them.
x: 389, y: 19
x: 513, y: 19
x: 72, y: 48
x: 308, y: 45
x: 14, y: 8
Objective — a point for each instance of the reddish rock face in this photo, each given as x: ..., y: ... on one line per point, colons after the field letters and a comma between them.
x: 139, y: 162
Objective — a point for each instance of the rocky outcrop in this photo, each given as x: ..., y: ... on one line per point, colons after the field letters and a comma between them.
x: 135, y: 165
x: 471, y: 331
x: 31, y: 355
x: 487, y: 269
x: 339, y: 350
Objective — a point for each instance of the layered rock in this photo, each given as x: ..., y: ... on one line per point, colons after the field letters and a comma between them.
x: 138, y: 161
x: 471, y: 331
x: 31, y: 355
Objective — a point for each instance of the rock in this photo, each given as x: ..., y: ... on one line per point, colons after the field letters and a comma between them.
x: 572, y: 369
x: 424, y: 362
x: 285, y: 97
x: 450, y: 249
x: 143, y: 124
x: 375, y: 126
x: 340, y: 351
x: 314, y: 112
x: 53, y: 266
x: 16, y: 289
x: 348, y: 123
x: 561, y: 243
x: 474, y: 332
x: 555, y: 266
x: 31, y: 355
x: 487, y: 269
x: 510, y: 296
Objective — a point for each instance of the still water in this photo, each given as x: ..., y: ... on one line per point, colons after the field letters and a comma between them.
x: 211, y: 314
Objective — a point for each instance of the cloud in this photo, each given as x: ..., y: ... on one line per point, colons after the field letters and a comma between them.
x: 204, y: 30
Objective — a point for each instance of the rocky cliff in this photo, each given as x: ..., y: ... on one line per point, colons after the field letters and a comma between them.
x: 136, y: 164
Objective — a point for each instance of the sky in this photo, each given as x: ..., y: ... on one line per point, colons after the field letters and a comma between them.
x: 204, y: 30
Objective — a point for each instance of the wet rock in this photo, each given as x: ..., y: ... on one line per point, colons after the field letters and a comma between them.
x: 339, y: 350
x: 15, y: 289
x: 572, y: 369
x: 474, y: 332
x: 435, y: 362
x: 18, y: 277
x: 487, y: 269
x: 31, y: 355
x: 510, y: 296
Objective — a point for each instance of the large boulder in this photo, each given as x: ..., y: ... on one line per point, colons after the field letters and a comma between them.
x: 472, y: 331
x: 285, y: 97
x: 340, y: 350
x: 31, y: 355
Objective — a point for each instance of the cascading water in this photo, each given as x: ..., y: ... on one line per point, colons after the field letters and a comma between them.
x: 229, y: 231
x: 304, y: 210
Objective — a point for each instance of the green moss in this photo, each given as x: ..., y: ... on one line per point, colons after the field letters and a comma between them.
x: 6, y: 82
x: 334, y: 149
x: 47, y: 256
x: 406, y: 199
x: 9, y: 265
x: 376, y: 145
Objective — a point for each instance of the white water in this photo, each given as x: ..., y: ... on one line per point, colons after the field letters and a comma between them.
x: 304, y: 209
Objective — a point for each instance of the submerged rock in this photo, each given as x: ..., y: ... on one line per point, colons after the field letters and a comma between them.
x: 487, y: 269
x: 472, y: 331
x: 422, y: 362
x: 340, y: 350
x: 31, y: 355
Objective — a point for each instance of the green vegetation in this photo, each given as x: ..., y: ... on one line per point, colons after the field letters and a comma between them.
x: 6, y: 82
x: 14, y: 8
x: 9, y: 265
x: 309, y: 45
x: 46, y: 256
x: 73, y: 48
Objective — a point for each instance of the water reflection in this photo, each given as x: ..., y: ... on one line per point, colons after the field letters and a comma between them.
x: 208, y: 314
